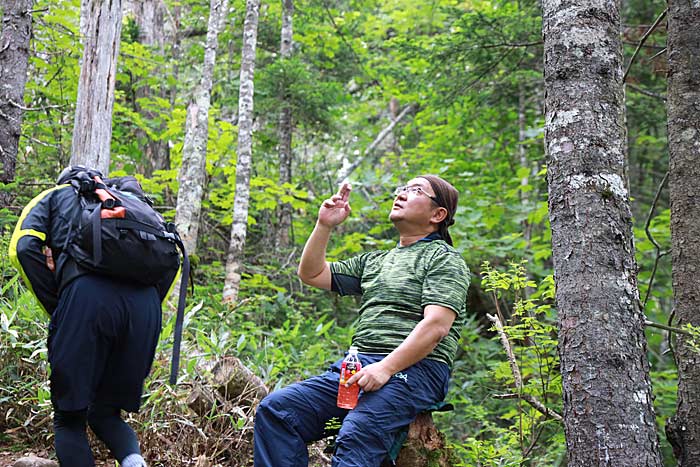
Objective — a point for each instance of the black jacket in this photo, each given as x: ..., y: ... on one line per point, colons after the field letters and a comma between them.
x: 50, y: 219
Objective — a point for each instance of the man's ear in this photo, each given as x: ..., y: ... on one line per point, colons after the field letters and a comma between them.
x: 439, y: 215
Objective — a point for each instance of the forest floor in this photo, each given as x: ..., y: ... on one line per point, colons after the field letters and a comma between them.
x: 8, y: 458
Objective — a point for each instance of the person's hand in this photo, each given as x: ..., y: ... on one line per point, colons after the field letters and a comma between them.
x: 370, y: 378
x: 48, y: 254
x: 336, y: 209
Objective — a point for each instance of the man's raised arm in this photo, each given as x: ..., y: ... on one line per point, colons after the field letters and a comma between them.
x: 313, y: 267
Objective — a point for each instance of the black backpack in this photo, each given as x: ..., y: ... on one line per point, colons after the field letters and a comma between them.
x: 119, y: 234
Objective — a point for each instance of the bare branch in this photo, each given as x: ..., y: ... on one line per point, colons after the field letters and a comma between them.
x: 509, y: 350
x: 534, y: 403
x: 37, y: 109
x: 652, y: 324
x: 645, y: 92
x: 641, y: 42
x: 663, y: 51
x: 511, y: 44
x: 344, y: 174
x: 659, y: 253
x: 530, y: 399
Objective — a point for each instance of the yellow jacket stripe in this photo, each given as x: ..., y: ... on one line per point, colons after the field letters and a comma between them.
x: 19, y: 232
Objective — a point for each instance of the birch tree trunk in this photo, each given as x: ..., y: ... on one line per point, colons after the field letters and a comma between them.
x: 150, y: 18
x: 683, y: 429
x: 245, y: 142
x: 286, y: 127
x: 194, y: 151
x: 92, y: 132
x: 15, y: 33
x: 608, y: 412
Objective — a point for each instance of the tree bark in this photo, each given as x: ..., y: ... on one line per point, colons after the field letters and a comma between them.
x: 239, y: 226
x: 608, y: 412
x: 425, y: 446
x: 286, y: 128
x: 150, y: 18
x: 683, y: 105
x: 15, y: 34
x: 194, y: 151
x: 92, y: 132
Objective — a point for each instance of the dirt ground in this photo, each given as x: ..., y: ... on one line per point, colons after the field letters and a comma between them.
x: 7, y: 458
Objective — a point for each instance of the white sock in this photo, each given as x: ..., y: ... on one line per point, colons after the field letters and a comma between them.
x: 133, y: 460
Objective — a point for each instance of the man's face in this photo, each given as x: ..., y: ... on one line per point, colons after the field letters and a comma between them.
x: 414, y: 203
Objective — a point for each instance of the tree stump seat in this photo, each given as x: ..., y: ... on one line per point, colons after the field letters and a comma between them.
x: 420, y: 444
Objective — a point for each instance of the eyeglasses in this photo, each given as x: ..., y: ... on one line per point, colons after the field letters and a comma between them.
x: 414, y: 189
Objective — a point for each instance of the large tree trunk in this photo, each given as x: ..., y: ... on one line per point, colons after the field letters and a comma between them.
x: 194, y: 151
x: 150, y: 18
x: 286, y: 128
x: 245, y: 143
x: 92, y: 132
x: 15, y: 33
x: 684, y: 149
x: 608, y: 412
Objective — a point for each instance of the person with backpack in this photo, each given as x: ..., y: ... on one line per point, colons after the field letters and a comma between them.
x: 413, y: 307
x: 103, y: 328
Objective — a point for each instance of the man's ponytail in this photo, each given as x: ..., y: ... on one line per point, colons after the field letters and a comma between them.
x: 446, y: 196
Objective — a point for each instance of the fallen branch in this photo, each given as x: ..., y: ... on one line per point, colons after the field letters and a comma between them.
x: 344, y: 174
x: 530, y: 399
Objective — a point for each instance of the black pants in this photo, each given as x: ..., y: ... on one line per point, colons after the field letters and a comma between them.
x: 102, y: 340
x: 72, y: 446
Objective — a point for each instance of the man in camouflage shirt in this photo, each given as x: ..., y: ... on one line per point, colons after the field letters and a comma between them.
x: 413, y: 308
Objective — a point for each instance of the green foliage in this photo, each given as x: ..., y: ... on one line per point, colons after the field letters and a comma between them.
x: 473, y: 72
x: 506, y: 430
x: 24, y: 392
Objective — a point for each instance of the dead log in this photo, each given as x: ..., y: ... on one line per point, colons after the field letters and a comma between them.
x: 235, y: 382
x: 201, y: 400
x: 230, y: 380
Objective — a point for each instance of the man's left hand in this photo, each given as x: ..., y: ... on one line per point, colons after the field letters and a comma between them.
x: 371, y: 378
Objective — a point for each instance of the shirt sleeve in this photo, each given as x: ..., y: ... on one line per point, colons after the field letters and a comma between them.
x: 26, y: 250
x: 346, y: 275
x: 446, y: 282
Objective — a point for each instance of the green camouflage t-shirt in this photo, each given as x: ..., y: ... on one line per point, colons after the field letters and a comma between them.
x: 396, y: 285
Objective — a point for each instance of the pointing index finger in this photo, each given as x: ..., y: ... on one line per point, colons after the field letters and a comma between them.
x: 344, y: 191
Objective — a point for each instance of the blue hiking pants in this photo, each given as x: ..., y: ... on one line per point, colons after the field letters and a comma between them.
x: 288, y: 419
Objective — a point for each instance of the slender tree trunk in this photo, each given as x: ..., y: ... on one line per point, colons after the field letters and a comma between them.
x: 150, y: 18
x: 608, y: 412
x: 194, y: 151
x: 92, y: 133
x: 245, y: 143
x: 286, y: 128
x: 684, y: 150
x: 15, y: 33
